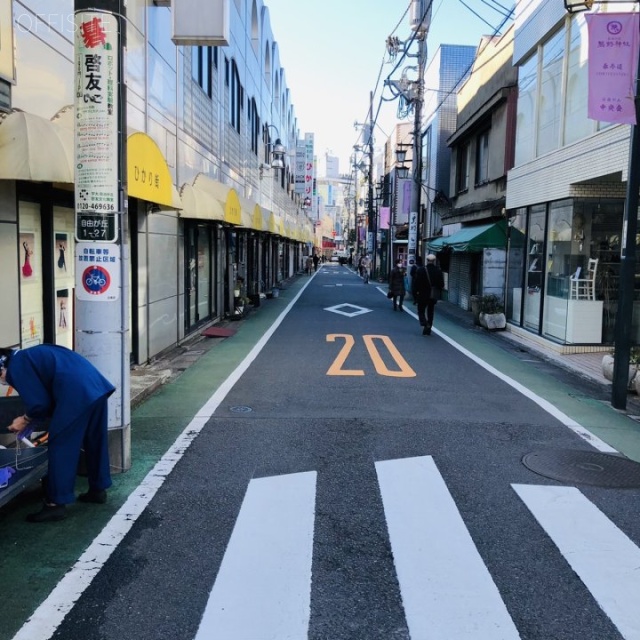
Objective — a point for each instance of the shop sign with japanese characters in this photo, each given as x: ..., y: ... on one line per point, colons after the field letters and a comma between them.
x: 96, y: 131
x: 613, y: 64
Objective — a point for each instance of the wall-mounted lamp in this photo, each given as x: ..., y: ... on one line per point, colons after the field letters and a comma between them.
x: 275, y: 153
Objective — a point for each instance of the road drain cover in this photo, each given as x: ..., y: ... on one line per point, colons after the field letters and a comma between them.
x: 585, y: 467
x: 241, y: 409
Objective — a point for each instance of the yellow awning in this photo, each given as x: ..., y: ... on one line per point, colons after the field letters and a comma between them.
x: 198, y: 203
x: 257, y: 218
x: 148, y: 175
x: 246, y: 212
x: 273, y: 223
x: 34, y: 148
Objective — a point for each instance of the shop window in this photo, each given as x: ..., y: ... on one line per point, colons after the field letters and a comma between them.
x: 31, y: 286
x: 64, y: 279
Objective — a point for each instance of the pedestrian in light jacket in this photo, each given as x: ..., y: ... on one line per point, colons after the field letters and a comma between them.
x: 396, y: 285
x: 61, y: 385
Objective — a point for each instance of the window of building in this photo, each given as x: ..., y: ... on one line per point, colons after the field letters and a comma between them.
x: 201, y: 67
x: 236, y: 97
x: 550, y: 103
x: 462, y: 168
x: 482, y: 158
x: 527, y: 92
x: 254, y: 125
x: 576, y: 123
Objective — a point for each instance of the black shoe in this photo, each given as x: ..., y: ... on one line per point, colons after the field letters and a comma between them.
x: 96, y: 497
x: 401, y: 307
x: 395, y: 307
x: 48, y: 513
x: 426, y: 331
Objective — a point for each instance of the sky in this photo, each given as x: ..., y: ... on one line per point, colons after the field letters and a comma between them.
x: 334, y: 51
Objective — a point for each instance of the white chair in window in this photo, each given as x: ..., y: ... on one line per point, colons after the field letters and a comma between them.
x: 584, y: 288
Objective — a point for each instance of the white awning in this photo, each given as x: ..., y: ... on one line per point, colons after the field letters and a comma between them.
x: 34, y: 148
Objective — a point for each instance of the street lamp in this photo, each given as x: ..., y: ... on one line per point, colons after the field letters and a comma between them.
x: 626, y: 286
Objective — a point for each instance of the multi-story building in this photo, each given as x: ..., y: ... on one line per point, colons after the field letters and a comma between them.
x: 209, y: 221
x: 565, y: 193
x: 473, y: 246
x: 448, y: 67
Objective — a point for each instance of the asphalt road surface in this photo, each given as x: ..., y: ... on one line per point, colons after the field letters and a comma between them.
x: 361, y: 481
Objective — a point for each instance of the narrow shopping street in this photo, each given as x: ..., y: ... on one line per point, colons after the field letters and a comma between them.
x: 336, y: 495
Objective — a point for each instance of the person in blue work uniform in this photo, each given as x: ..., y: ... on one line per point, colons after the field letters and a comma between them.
x: 57, y: 383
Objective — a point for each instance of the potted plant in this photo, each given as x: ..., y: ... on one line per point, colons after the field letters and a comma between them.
x: 492, y: 312
x: 634, y: 367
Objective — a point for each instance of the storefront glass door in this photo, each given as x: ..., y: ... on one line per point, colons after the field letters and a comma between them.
x: 535, y: 262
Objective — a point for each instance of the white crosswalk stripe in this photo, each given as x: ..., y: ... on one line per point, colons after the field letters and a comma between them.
x: 263, y: 587
x: 604, y: 558
x: 446, y: 588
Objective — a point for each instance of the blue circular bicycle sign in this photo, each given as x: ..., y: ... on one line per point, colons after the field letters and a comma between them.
x: 96, y: 280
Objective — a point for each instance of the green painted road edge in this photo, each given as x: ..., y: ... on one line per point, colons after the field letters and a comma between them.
x: 615, y: 428
x: 36, y: 557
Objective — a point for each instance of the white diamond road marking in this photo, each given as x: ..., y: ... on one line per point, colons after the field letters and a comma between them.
x: 339, y: 308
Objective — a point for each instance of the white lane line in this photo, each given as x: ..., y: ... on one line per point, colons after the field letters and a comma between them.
x: 551, y: 409
x: 50, y: 614
x: 263, y: 588
x: 604, y: 558
x: 446, y: 588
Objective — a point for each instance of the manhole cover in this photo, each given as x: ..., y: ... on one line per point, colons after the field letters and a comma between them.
x: 241, y: 409
x: 585, y: 467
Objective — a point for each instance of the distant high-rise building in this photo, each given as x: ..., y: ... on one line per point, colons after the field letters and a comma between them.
x: 333, y: 166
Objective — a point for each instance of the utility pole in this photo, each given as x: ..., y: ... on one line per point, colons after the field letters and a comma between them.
x: 370, y: 209
x: 420, y: 22
x: 102, y: 261
x: 355, y: 202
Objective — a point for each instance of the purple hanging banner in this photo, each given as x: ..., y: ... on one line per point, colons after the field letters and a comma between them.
x: 385, y: 214
x: 613, y: 64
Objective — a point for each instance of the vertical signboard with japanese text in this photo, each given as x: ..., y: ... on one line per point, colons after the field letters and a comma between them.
x: 308, y: 171
x: 301, y: 155
x: 613, y: 66
x: 96, y: 130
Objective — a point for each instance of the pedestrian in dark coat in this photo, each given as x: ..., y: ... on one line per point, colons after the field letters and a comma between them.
x: 428, y: 283
x: 57, y: 383
x: 396, y: 285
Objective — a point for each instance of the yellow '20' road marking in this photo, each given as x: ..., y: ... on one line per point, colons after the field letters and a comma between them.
x: 403, y: 371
